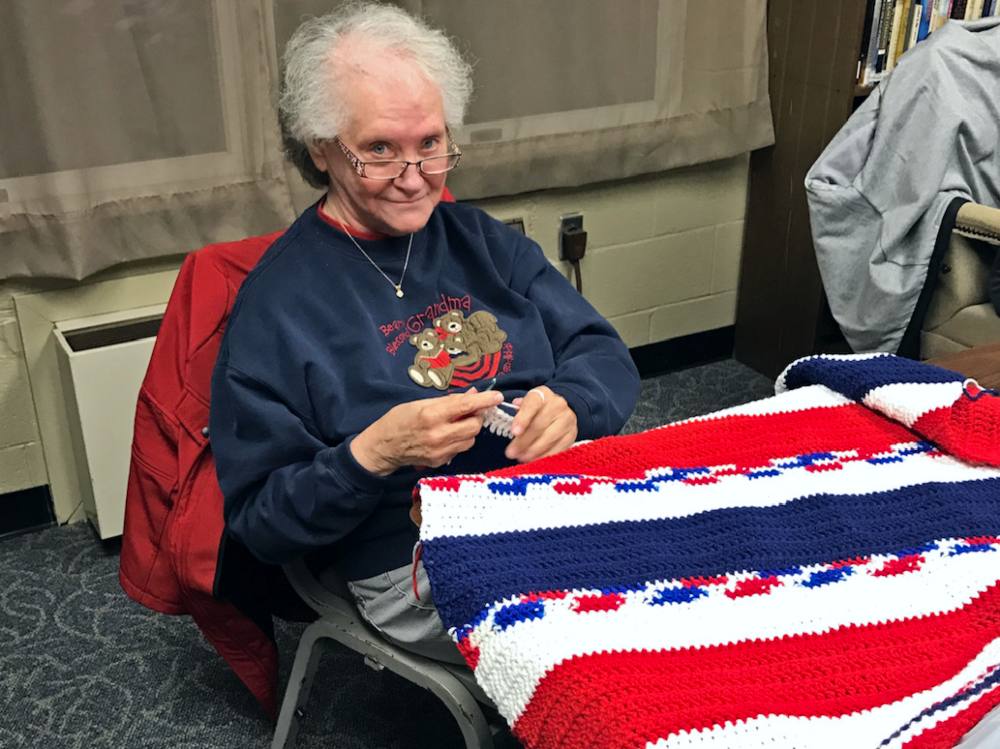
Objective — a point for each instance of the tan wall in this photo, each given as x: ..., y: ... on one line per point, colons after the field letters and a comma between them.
x: 662, y: 261
x: 663, y: 251
x: 21, y: 461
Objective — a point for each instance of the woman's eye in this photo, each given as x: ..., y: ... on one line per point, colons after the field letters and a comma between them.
x: 430, y: 144
x: 379, y: 149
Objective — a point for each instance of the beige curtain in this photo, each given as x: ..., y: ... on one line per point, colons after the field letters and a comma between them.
x: 141, y: 128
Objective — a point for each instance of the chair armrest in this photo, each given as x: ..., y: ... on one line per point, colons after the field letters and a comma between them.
x: 965, y: 270
x: 979, y: 222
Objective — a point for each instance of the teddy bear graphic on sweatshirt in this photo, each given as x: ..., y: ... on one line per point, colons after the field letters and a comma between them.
x: 454, y: 342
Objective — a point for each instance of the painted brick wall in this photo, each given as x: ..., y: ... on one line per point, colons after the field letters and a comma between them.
x: 21, y: 462
x: 663, y: 252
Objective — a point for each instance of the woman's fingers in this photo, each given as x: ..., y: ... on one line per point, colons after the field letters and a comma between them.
x: 547, y: 425
x: 454, y: 407
x: 533, y: 402
x: 432, y: 431
x: 554, y: 437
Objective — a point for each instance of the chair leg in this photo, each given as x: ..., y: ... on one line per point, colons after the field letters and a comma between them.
x: 467, y: 713
x: 435, y: 677
x: 307, y: 657
x: 348, y: 630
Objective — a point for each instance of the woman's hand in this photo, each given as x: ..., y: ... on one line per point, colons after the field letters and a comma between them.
x: 428, y: 432
x: 545, y: 424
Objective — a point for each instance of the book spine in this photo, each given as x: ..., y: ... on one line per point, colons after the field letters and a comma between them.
x: 958, y: 9
x: 944, y: 12
x: 865, y: 45
x: 870, y: 74
x: 898, y: 20
x: 901, y: 36
x: 885, y: 27
x: 914, y: 30
x: 925, y: 19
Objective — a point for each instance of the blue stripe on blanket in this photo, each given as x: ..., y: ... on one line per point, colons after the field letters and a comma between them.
x: 855, y: 378
x: 625, y: 555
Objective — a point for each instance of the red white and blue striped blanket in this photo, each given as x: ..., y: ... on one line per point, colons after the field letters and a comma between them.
x: 816, y: 569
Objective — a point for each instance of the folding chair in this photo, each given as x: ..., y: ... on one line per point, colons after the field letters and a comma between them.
x: 339, y: 620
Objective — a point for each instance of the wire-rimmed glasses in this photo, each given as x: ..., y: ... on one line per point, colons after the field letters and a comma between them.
x: 394, y: 169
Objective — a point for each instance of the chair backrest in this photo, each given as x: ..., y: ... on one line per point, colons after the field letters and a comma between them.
x: 960, y: 313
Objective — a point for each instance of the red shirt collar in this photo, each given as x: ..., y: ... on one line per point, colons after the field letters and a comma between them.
x: 357, y: 233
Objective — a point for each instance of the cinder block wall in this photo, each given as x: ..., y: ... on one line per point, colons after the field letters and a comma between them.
x: 21, y: 462
x: 663, y: 256
x: 663, y: 251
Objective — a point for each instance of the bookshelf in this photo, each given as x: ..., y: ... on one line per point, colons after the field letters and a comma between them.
x: 892, y: 27
x: 815, y: 81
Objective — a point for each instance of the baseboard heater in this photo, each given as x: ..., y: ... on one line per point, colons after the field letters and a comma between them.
x: 102, y: 362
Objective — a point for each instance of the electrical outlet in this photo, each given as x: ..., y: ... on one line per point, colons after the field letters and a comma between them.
x: 516, y: 223
x: 571, y: 231
x: 570, y: 222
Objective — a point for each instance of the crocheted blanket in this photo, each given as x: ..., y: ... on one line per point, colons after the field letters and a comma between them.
x: 816, y: 569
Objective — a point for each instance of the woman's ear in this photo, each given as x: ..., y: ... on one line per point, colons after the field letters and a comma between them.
x: 318, y: 156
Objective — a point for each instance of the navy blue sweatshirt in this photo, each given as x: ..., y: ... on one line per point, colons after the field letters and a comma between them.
x: 318, y: 347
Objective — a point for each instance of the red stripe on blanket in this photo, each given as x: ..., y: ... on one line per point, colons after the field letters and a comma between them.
x: 969, y: 430
x: 630, y: 698
x: 747, y: 441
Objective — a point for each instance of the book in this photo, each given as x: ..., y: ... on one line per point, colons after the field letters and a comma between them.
x: 898, y: 21
x: 901, y: 38
x: 914, y: 30
x: 865, y: 41
x: 885, y: 29
x: 942, y: 11
x: 925, y: 19
x: 869, y: 73
x: 958, y: 9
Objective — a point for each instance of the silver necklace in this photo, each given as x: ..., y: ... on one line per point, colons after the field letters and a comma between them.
x: 397, y: 286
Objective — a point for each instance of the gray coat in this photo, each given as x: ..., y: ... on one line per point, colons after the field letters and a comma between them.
x: 928, y: 133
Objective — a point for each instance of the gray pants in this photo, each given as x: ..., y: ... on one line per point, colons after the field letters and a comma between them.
x: 387, y: 602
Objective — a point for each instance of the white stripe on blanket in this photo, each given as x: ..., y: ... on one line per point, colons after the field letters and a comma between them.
x: 944, y: 583
x: 540, y: 507
x: 908, y: 401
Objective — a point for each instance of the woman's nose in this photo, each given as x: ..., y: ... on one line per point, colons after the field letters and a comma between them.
x: 411, y: 178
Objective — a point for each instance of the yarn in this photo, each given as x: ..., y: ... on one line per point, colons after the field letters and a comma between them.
x: 500, y: 419
x: 816, y: 569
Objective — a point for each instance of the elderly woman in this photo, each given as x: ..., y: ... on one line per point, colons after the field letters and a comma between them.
x: 360, y: 347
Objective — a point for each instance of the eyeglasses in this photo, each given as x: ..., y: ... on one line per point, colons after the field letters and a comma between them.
x: 389, y: 170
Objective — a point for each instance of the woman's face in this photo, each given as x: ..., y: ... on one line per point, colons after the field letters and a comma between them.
x: 397, y: 113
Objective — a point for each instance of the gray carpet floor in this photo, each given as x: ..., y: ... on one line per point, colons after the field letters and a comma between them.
x: 83, y: 667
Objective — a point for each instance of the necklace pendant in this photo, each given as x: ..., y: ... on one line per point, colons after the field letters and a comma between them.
x: 399, y: 291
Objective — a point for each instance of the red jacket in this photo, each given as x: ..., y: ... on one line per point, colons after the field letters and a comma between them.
x: 173, y: 509
x: 175, y: 558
